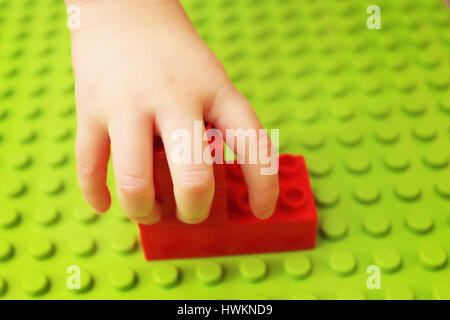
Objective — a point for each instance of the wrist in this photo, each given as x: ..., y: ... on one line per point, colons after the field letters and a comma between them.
x: 126, y: 13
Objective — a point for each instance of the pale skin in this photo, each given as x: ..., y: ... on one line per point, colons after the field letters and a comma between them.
x: 142, y: 70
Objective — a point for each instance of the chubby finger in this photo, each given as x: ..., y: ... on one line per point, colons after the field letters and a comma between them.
x: 231, y: 110
x: 92, y: 156
x: 191, y: 170
x: 132, y: 151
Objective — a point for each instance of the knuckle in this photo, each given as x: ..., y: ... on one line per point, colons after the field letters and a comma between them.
x: 266, y: 194
x: 134, y: 186
x: 196, y: 182
x: 86, y: 168
x: 272, y: 187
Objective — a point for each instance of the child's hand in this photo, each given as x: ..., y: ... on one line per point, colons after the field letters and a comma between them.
x: 141, y: 69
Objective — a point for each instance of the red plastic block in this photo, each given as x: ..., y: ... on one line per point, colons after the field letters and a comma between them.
x: 164, y: 192
x: 231, y: 228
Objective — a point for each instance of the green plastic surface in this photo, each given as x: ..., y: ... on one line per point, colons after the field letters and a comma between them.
x: 370, y: 110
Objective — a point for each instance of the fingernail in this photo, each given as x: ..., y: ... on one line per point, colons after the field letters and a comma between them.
x: 146, y: 220
x: 192, y: 219
x: 266, y: 214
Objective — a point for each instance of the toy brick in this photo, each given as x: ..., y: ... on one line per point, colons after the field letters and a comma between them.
x: 238, y: 231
